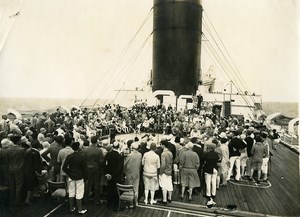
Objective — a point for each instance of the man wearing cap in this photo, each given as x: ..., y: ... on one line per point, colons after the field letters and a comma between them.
x: 94, y: 158
x: 210, y: 169
x: 165, y: 172
x: 250, y: 141
x: 49, y: 125
x: 259, y: 151
x: 113, y: 169
x: 235, y: 145
x: 32, y: 168
x: 264, y: 167
x: 54, y: 149
x: 16, y: 158
x: 41, y: 135
x: 4, y: 125
x: 225, y: 162
x: 104, y: 147
x: 62, y: 155
x: 132, y: 167
x: 14, y: 128
x: 5, y: 143
x: 75, y: 167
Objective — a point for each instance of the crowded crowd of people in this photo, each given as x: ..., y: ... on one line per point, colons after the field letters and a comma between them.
x: 198, y: 150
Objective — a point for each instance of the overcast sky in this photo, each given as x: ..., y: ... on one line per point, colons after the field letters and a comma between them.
x: 66, y: 48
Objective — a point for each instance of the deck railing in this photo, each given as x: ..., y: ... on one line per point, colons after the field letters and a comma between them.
x: 291, y: 141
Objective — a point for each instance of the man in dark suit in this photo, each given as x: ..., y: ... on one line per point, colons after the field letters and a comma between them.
x: 16, y: 159
x: 32, y: 168
x: 113, y: 170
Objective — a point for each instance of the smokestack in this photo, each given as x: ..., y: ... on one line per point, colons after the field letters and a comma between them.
x: 177, y: 28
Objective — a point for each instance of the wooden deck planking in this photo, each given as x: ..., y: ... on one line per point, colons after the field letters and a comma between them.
x: 244, y: 200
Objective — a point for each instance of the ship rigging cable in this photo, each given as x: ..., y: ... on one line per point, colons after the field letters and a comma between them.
x: 223, y: 66
x: 230, y: 65
x: 224, y: 57
x: 132, y: 61
x: 219, y: 59
x: 234, y: 68
x: 124, y: 51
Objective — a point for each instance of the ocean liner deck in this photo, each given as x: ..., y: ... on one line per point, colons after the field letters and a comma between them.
x: 281, y: 198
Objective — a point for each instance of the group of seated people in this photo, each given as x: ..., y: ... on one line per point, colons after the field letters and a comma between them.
x: 198, y: 151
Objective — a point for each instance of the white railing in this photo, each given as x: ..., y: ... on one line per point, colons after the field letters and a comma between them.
x: 291, y: 141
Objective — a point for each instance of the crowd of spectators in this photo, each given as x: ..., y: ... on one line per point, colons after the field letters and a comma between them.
x: 197, y: 149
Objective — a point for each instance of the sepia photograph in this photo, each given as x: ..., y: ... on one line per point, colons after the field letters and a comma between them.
x: 149, y: 108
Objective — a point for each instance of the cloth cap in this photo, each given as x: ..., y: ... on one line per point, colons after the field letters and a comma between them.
x: 29, y: 133
x: 223, y: 135
x: 135, y: 145
x: 43, y: 130
x: 181, y: 140
x: 190, y: 145
x: 24, y: 139
x: 46, y: 144
x: 105, y: 142
x: 116, y: 144
x: 5, y: 143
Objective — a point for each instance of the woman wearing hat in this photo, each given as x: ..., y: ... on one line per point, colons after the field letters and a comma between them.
x: 189, y: 163
x: 132, y: 167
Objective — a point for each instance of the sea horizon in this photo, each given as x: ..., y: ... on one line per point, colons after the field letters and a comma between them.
x: 36, y: 104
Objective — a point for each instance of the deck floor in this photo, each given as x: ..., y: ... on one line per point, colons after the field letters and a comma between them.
x: 280, y: 199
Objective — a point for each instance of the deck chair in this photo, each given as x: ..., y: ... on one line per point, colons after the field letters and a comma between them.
x: 126, y: 194
x: 57, y: 190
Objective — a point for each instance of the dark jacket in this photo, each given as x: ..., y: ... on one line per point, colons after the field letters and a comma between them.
x: 114, y: 164
x: 16, y: 159
x: 210, y: 162
x: 75, y: 166
x: 94, y: 157
x: 235, y: 146
x: 250, y: 142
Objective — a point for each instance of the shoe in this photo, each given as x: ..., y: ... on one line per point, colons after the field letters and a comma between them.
x: 251, y: 179
x: 145, y: 201
x: 258, y: 182
x: 190, y: 199
x: 82, y: 211
x: 153, y: 202
x: 181, y: 197
x: 72, y: 210
x: 162, y: 202
x: 170, y: 201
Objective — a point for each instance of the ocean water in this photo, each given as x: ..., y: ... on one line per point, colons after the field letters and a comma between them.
x: 289, y: 109
x: 30, y: 105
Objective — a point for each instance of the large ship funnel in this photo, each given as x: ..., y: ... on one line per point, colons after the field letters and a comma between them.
x: 176, y: 45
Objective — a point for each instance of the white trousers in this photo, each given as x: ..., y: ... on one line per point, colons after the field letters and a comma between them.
x: 211, y: 183
x: 264, y: 166
x: 235, y: 160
